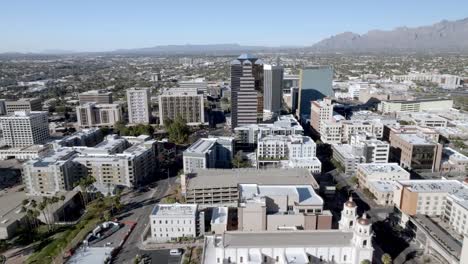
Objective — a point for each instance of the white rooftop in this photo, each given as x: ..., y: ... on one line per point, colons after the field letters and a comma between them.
x: 220, y: 215
x: 161, y: 210
x: 383, y: 186
x: 305, y: 193
x: 415, y: 139
x: 378, y: 168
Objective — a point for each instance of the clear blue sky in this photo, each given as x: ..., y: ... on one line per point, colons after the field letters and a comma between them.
x: 84, y: 25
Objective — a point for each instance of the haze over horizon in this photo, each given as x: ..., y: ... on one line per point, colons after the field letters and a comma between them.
x: 31, y: 26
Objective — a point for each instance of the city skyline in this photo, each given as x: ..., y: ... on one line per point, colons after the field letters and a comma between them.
x: 107, y: 26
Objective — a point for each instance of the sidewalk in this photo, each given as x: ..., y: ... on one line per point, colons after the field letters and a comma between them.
x: 154, y: 246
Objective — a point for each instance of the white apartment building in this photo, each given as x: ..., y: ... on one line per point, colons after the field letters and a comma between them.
x: 320, y: 111
x: 447, y: 199
x: 128, y: 169
x: 189, y: 106
x: 216, y: 152
x: 139, y: 108
x: 172, y: 221
x: 285, y: 147
x: 339, y: 130
x: 446, y: 81
x: 285, y: 125
x: 367, y: 172
x: 453, y: 161
x: 347, y: 156
x: 312, y: 164
x: 419, y: 105
x: 331, y: 132
x: 98, y: 115
x: 373, y: 150
x: 51, y: 174
x: 24, y: 128
x: 382, y: 190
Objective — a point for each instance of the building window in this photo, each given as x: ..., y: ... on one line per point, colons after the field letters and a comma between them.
x: 217, y: 260
x: 241, y: 259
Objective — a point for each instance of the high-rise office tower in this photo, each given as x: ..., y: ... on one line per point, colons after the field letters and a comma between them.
x: 315, y: 83
x: 246, y: 90
x: 273, y: 90
x: 25, y: 128
x: 139, y: 108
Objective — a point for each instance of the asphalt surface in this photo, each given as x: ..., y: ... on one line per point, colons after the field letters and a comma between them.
x: 161, y: 256
x: 138, y: 206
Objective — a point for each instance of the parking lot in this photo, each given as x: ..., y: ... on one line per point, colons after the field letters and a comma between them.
x: 161, y: 256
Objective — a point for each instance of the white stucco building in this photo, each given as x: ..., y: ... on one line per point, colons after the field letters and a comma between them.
x: 172, y: 221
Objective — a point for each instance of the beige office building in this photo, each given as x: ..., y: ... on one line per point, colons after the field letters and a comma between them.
x: 189, y: 106
x: 416, y: 152
x: 98, y: 115
x: 95, y: 96
x: 320, y: 111
x: 25, y: 104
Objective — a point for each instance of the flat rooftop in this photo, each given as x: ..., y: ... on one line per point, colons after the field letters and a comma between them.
x: 10, y: 205
x: 322, y: 238
x: 415, y: 139
x: 378, y: 168
x: 218, y: 178
x: 383, y: 186
x: 174, y: 210
x: 436, y: 186
x: 202, y: 145
x: 220, y: 215
x: 305, y: 193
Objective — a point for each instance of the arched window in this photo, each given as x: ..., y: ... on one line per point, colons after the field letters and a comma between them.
x: 364, y: 243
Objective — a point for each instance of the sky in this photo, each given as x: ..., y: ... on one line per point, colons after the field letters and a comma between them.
x: 104, y: 25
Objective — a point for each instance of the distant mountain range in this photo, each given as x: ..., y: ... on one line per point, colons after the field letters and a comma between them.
x: 445, y: 36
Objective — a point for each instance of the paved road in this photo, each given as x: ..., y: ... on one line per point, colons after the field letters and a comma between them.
x: 138, y: 206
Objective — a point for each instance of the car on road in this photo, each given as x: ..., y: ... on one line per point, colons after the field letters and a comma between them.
x: 175, y: 252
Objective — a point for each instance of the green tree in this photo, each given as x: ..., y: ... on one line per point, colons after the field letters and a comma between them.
x: 238, y: 160
x: 178, y: 130
x: 386, y: 258
x: 366, y: 261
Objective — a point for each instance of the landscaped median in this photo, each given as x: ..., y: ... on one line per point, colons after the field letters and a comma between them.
x: 70, y: 238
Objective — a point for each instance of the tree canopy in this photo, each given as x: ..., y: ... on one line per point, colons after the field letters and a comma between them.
x: 177, y: 130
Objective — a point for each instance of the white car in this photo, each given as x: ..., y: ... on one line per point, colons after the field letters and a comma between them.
x: 175, y: 252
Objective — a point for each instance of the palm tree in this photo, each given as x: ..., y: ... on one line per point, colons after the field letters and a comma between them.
x: 386, y: 258
x: 62, y: 199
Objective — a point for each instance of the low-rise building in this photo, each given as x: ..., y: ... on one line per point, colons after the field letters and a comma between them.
x: 382, y: 191
x: 367, y: 172
x: 24, y: 153
x: 453, y: 161
x: 447, y: 199
x: 347, y: 156
x: 219, y: 220
x: 170, y: 222
x: 415, y: 152
x: 218, y: 187
x: 95, y: 96
x: 285, y: 125
x: 205, y: 153
x: 351, y: 244
x: 418, y: 105
x: 25, y: 104
x: 283, y: 207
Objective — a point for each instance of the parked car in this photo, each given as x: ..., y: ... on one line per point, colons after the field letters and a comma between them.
x: 175, y: 252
